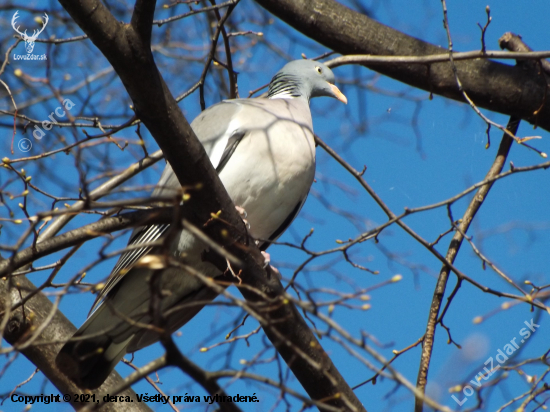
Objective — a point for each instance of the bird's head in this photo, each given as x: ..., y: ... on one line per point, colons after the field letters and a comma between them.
x: 305, y: 78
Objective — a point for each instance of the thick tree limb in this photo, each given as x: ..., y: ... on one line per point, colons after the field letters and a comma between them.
x: 506, y: 89
x: 23, y: 323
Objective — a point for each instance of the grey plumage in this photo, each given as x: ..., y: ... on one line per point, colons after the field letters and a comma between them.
x: 264, y: 152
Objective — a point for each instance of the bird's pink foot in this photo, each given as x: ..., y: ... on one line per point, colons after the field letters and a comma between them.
x: 267, y: 259
x: 241, y: 211
x: 272, y: 269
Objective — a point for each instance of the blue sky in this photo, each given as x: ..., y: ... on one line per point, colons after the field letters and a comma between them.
x: 375, y: 129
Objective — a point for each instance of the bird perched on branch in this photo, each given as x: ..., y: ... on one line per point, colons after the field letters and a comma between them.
x: 264, y: 152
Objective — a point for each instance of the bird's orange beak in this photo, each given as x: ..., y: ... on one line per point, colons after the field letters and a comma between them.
x: 339, y: 95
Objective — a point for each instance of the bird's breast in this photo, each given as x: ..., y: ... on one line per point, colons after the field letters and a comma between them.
x: 270, y: 173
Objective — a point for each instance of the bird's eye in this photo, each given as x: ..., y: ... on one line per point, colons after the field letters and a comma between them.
x: 319, y: 70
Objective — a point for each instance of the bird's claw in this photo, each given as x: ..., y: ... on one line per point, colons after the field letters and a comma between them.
x: 267, y: 259
x: 242, y: 212
x: 243, y: 215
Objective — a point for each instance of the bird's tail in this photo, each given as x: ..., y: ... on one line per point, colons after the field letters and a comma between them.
x: 118, y: 325
x: 92, y: 353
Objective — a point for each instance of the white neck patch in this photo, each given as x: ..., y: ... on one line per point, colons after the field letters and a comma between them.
x: 284, y: 95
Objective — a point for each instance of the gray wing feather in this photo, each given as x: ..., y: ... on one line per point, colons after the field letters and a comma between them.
x: 146, y: 234
x: 263, y: 246
x: 230, y: 147
x: 210, y: 126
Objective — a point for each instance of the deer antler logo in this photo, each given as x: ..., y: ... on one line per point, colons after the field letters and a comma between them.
x: 29, y: 40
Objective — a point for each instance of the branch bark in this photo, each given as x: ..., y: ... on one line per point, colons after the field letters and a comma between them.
x: 24, y: 321
x: 502, y: 88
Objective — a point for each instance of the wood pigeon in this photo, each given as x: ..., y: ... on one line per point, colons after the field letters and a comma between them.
x: 264, y: 152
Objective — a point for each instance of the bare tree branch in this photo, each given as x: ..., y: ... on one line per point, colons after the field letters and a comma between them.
x: 491, y: 85
x: 452, y: 251
x: 83, y: 234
